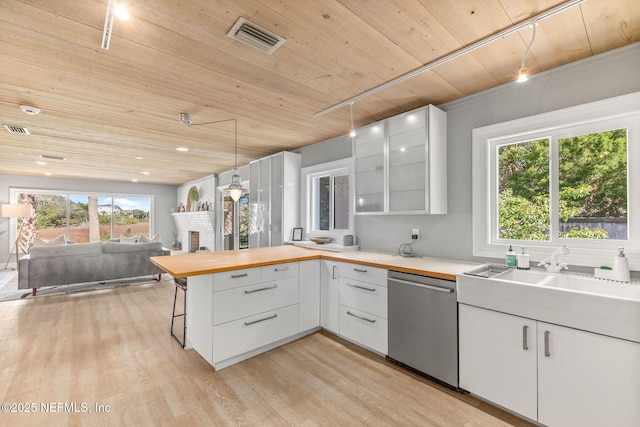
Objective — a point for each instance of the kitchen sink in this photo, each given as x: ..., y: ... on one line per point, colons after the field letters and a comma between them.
x: 575, y: 300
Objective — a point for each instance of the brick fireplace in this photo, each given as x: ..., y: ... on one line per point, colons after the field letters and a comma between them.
x: 196, y: 230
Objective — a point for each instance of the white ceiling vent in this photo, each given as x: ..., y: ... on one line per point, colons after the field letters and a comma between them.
x: 17, y: 129
x: 256, y: 36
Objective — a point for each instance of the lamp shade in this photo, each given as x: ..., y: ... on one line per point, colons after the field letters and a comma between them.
x: 15, y: 211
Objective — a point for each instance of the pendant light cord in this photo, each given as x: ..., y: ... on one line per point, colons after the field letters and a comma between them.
x: 534, y: 24
x: 235, y: 122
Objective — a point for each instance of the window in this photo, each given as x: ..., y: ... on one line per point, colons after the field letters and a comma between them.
x: 84, y: 218
x: 568, y: 177
x: 327, y: 197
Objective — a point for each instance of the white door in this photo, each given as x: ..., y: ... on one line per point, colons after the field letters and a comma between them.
x: 498, y: 358
x: 586, y: 379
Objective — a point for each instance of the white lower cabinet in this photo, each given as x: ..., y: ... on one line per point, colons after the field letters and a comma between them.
x: 555, y: 375
x: 353, y: 303
x: 498, y: 358
x: 330, y: 295
x: 586, y: 379
x: 364, y: 328
x: 249, y: 333
x: 309, y: 295
x: 237, y: 314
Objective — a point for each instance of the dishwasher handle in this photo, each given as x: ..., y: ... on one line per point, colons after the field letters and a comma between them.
x: 421, y: 285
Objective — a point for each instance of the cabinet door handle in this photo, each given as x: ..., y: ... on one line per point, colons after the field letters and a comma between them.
x: 261, y: 289
x: 237, y: 276
x: 547, y: 353
x: 253, y: 322
x: 364, y: 288
x: 360, y: 317
x: 281, y: 269
x: 525, y: 346
x: 333, y: 272
x: 421, y: 285
x: 359, y: 270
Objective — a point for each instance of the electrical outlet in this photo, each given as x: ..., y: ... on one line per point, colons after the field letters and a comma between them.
x: 415, y: 234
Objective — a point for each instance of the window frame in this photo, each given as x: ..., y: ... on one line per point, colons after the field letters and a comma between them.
x: 613, y: 113
x: 15, y: 191
x: 307, y: 177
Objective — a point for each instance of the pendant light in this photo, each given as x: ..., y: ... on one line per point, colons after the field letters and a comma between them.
x: 352, y: 133
x: 235, y: 188
x: 522, y: 74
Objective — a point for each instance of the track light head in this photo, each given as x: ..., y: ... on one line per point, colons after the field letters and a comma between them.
x: 522, y: 75
x: 185, y: 118
x: 121, y: 11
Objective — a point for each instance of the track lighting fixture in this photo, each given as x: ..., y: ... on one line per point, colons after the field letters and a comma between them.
x: 114, y: 9
x: 460, y: 52
x: 235, y: 188
x: 522, y: 74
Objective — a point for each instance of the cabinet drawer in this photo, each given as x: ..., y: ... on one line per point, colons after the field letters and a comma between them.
x: 236, y: 303
x: 364, y: 296
x: 243, y: 335
x: 279, y: 271
x: 235, y: 278
x: 364, y: 273
x: 364, y: 328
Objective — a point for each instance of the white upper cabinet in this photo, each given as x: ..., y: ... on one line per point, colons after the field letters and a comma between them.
x: 274, y: 199
x: 401, y: 164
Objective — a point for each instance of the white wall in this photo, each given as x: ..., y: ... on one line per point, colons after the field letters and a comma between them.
x: 164, y: 200
x: 449, y: 236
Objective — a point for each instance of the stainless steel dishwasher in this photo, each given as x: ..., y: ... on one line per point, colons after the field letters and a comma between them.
x: 423, y: 324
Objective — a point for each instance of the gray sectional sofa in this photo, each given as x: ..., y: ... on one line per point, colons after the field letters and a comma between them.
x: 87, y: 262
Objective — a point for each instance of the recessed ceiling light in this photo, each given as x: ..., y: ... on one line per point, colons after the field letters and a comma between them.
x: 41, y: 163
x: 48, y: 173
x: 139, y: 158
x: 182, y: 149
x: 146, y: 173
x: 134, y: 180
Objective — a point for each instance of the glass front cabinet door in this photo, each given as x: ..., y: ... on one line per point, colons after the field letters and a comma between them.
x: 401, y: 164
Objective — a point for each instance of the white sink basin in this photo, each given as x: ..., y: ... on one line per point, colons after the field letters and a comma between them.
x: 594, y: 286
x: 578, y: 301
x: 532, y: 277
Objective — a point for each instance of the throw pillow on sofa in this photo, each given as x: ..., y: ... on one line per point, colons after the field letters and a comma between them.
x: 60, y: 240
x: 145, y: 239
x: 124, y: 239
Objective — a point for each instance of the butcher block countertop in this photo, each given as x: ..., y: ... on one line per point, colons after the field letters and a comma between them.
x: 180, y: 266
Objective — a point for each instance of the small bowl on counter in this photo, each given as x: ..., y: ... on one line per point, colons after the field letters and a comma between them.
x: 320, y: 240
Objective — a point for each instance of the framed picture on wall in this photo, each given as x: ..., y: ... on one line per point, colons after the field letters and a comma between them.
x: 297, y: 234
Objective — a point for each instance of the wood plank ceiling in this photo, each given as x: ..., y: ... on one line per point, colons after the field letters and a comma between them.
x: 103, y: 108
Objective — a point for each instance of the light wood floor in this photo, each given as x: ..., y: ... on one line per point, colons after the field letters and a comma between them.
x: 113, y: 348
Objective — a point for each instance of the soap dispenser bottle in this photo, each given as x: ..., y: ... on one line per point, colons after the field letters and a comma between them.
x: 523, y: 261
x: 621, y: 267
x: 510, y: 258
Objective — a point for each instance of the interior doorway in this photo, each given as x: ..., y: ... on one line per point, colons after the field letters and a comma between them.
x: 234, y: 222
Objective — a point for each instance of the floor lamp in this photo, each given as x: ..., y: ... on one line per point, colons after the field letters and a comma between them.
x: 15, y: 211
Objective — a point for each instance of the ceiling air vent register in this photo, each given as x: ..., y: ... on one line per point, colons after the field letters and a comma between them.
x: 17, y: 129
x: 255, y: 36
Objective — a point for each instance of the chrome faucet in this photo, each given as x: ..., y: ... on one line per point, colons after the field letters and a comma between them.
x: 553, y: 264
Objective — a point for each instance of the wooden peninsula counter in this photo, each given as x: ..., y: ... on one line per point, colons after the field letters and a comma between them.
x: 245, y: 302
